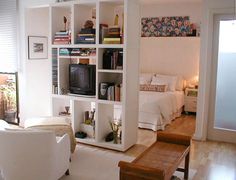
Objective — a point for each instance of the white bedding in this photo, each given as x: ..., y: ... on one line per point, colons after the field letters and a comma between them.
x: 158, y: 108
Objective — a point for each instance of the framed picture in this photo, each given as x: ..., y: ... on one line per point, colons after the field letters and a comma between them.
x: 37, y: 47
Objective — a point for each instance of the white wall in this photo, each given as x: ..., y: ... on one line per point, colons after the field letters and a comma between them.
x: 34, y: 75
x: 210, y: 7
x: 171, y: 55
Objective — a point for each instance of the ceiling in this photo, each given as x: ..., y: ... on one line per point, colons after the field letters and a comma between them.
x: 167, y: 1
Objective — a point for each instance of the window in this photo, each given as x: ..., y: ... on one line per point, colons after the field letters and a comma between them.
x: 8, y: 36
x: 226, y: 81
x: 8, y: 61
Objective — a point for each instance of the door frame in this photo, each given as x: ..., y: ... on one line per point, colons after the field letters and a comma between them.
x: 217, y: 134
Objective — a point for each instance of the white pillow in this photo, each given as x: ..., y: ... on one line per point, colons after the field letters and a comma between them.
x: 145, y: 78
x: 179, y: 83
x: 165, y: 80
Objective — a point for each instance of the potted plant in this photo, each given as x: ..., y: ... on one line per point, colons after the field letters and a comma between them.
x: 8, y: 91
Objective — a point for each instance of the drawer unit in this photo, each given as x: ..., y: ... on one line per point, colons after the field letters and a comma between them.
x: 190, y: 100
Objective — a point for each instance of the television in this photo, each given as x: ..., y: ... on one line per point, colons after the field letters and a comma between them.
x: 82, y: 79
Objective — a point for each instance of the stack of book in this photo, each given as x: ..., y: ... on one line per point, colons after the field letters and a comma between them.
x: 54, y: 72
x: 76, y: 52
x: 86, y: 36
x: 113, y: 59
x: 113, y: 93
x: 110, y: 91
x: 64, y: 52
x: 113, y: 36
x: 103, y: 31
x: 62, y: 37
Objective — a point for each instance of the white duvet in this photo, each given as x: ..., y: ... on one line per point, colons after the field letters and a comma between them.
x: 159, y: 103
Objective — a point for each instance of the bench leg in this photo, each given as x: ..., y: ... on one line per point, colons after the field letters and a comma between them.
x: 186, y: 167
x: 67, y: 173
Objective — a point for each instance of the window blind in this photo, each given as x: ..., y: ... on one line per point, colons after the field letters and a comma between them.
x: 8, y: 36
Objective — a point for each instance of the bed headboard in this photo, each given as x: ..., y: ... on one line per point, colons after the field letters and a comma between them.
x: 171, y: 56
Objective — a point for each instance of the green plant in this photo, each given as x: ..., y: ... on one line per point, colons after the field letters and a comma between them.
x: 9, y: 94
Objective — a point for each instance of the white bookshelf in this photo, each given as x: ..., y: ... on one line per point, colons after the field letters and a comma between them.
x: 77, y: 12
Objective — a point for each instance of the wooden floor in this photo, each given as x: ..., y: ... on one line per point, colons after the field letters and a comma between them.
x: 210, y: 160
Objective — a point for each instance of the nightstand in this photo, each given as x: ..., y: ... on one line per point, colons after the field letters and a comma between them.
x: 190, y: 100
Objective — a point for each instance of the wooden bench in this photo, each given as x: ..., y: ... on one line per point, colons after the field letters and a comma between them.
x: 160, y: 160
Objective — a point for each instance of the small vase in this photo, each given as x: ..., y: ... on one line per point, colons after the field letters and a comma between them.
x: 115, y: 137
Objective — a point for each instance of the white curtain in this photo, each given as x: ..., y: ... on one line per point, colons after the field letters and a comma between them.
x: 8, y: 36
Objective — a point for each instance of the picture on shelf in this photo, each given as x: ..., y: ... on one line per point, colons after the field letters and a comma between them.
x: 37, y: 47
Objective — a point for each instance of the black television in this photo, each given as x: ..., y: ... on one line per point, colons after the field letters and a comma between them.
x: 82, y: 79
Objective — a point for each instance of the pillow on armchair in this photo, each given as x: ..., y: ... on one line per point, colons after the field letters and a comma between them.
x: 60, y: 125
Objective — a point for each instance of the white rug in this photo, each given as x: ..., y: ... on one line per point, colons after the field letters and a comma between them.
x: 91, y: 163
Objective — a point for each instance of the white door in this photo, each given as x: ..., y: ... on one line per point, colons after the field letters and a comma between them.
x: 222, y: 119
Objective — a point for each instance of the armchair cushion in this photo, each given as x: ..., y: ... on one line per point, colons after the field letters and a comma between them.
x: 60, y: 125
x: 33, y: 155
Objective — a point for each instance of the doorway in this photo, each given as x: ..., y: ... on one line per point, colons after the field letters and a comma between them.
x: 222, y: 121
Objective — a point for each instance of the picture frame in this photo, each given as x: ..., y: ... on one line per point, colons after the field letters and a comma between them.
x: 37, y: 47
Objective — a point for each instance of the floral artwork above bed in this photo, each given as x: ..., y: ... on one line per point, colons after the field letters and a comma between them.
x: 166, y: 26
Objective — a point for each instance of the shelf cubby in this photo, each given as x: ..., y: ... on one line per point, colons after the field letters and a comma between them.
x: 84, y: 11
x: 115, y: 94
x: 59, y: 105
x: 107, y: 113
x: 108, y: 12
x: 117, y: 66
x: 74, y: 58
x: 79, y: 108
x: 57, y: 19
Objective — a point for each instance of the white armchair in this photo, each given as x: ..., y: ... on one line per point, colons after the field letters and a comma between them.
x: 33, y: 155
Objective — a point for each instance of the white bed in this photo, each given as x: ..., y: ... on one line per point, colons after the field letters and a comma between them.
x: 157, y: 109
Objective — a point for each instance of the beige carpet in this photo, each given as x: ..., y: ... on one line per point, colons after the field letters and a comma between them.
x: 91, y: 163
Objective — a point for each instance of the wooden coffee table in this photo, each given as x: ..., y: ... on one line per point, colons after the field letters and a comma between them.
x: 160, y: 160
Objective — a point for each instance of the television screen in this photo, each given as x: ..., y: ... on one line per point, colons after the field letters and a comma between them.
x: 82, y: 79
